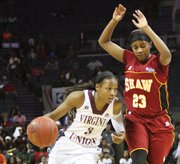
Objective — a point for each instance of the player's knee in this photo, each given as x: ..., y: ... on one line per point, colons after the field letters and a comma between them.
x: 139, y: 157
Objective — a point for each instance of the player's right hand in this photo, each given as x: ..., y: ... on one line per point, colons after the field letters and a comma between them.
x: 117, y: 139
x: 119, y: 12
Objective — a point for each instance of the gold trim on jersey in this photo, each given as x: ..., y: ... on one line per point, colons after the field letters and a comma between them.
x: 139, y: 149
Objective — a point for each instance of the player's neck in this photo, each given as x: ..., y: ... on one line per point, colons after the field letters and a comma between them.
x: 98, y: 101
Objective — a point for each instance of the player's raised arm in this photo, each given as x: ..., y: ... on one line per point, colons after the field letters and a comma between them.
x: 105, y: 39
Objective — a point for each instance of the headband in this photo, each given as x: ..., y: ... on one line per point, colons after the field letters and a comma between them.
x: 138, y: 35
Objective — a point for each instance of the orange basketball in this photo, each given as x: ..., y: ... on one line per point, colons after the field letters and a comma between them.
x: 42, y: 131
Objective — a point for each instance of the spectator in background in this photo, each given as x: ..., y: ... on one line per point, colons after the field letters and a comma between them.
x: 32, y: 57
x: 24, y: 68
x: 21, y: 139
x: 31, y: 42
x: 67, y: 77
x: 39, y: 152
x: 107, y: 146
x: 93, y: 64
x: 9, y: 90
x: 94, y: 67
x: 17, y: 132
x: 9, y: 143
x: 43, y: 159
x: 177, y: 151
x: 12, y: 160
x: 52, y: 67
x: 126, y: 158
x: 20, y: 118
x: 13, y: 112
x: 70, y: 57
x: 23, y: 155
x: 13, y: 65
x: 4, y: 120
x: 37, y: 73
x: 105, y: 157
x: 41, y: 47
x: 72, y: 78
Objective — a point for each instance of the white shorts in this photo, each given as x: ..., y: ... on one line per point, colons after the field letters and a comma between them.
x: 66, y: 151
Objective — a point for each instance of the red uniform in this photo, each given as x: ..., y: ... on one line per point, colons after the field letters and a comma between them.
x: 147, y: 123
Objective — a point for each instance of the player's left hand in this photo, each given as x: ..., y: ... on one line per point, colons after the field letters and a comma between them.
x: 141, y: 21
x: 117, y: 139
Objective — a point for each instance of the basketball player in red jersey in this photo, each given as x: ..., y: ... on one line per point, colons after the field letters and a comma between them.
x: 149, y: 132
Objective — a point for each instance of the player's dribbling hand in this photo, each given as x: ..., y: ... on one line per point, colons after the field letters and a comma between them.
x: 141, y: 21
x: 119, y: 12
x: 117, y: 139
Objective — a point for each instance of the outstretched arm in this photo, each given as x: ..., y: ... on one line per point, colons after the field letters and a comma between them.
x: 74, y: 99
x: 141, y: 23
x: 117, y: 123
x: 105, y: 38
x: 119, y: 128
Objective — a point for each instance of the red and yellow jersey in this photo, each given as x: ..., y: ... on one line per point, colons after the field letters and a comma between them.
x: 145, y: 89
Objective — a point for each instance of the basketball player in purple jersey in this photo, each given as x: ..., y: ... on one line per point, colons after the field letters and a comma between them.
x: 149, y: 132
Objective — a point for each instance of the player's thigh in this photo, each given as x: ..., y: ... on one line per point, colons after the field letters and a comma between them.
x: 136, y: 136
x: 159, y: 147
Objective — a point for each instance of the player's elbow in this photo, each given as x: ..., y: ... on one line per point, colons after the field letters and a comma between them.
x: 103, y: 43
x: 165, y: 59
x: 100, y: 42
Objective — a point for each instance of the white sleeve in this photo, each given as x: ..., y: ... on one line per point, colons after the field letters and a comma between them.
x: 118, y: 124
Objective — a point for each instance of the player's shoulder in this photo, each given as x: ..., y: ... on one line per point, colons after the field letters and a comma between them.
x: 76, y: 94
x: 76, y: 98
x: 128, y: 56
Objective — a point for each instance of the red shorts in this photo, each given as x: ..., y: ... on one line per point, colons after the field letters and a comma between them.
x: 154, y: 135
